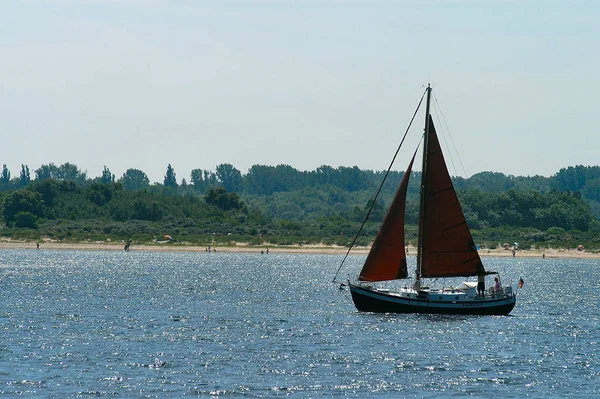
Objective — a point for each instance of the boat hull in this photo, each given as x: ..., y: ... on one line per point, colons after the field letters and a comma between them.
x: 369, y: 300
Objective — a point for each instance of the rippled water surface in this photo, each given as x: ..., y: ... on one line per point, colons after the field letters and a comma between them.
x: 138, y: 324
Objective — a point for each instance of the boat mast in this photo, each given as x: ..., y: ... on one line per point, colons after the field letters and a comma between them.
x: 422, y: 200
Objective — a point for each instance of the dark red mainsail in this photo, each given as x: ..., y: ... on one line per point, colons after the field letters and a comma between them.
x: 448, y: 249
x: 387, y: 259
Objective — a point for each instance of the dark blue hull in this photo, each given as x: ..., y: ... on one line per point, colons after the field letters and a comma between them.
x: 369, y: 300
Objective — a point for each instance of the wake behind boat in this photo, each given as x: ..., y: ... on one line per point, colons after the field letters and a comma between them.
x: 445, y: 249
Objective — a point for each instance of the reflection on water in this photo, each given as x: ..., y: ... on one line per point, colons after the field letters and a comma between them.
x: 77, y: 323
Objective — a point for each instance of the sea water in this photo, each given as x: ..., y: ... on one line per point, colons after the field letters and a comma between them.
x: 143, y: 324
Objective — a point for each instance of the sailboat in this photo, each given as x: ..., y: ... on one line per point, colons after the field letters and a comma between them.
x: 445, y: 249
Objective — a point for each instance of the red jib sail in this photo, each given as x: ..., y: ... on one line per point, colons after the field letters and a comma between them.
x: 387, y: 259
x: 447, y: 246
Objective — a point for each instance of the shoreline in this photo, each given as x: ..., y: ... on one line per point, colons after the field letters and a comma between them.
x: 287, y: 249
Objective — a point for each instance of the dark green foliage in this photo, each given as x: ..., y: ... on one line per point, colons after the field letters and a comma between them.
x: 574, y: 178
x: 352, y: 179
x: 107, y: 177
x: 591, y: 191
x: 66, y: 171
x: 377, y: 213
x: 134, y: 179
x: 348, y: 179
x: 203, y: 180
x: 492, y: 182
x: 526, y: 209
x: 47, y: 172
x: 5, y: 182
x: 170, y: 178
x: 69, y: 171
x: 145, y: 210
x: 24, y: 178
x: 267, y: 180
x: 100, y: 194
x: 224, y: 200
x: 50, y: 189
x: 229, y: 177
x: 280, y: 204
x: 21, y: 202
x: 5, y: 175
x: 25, y: 220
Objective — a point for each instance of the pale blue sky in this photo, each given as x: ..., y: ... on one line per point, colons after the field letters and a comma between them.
x: 195, y: 84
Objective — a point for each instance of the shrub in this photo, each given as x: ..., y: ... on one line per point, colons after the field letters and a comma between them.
x: 25, y: 220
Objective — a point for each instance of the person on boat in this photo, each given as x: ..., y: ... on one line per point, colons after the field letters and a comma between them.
x: 497, y: 286
x: 417, y: 284
x: 481, y: 285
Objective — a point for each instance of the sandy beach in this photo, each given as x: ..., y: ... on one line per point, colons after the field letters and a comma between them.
x: 240, y: 247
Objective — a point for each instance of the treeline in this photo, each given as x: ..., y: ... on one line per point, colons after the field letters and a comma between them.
x: 268, y: 180
x: 280, y: 204
x: 260, y: 179
x: 62, y: 209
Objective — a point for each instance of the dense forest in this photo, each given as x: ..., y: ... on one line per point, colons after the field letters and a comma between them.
x: 280, y: 205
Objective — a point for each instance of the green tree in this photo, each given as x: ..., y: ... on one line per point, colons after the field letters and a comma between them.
x: 22, y: 201
x: 203, y: 180
x: 353, y: 179
x: 210, y: 179
x: 48, y: 189
x: 224, y: 200
x: 44, y: 172
x: 69, y: 171
x: 66, y: 171
x: 266, y: 180
x: 325, y: 175
x: 170, y: 178
x: 134, y: 179
x: 100, y: 194
x: 5, y: 176
x: 197, y: 180
x: 107, y: 177
x: 25, y: 220
x: 146, y: 210
x: 229, y: 177
x: 574, y: 178
x: 491, y: 182
x: 25, y: 177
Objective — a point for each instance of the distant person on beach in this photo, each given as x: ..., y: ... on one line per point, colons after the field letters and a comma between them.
x: 37, y: 245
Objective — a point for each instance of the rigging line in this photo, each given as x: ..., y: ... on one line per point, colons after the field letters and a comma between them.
x: 443, y: 119
x: 445, y: 132
x: 379, y: 190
